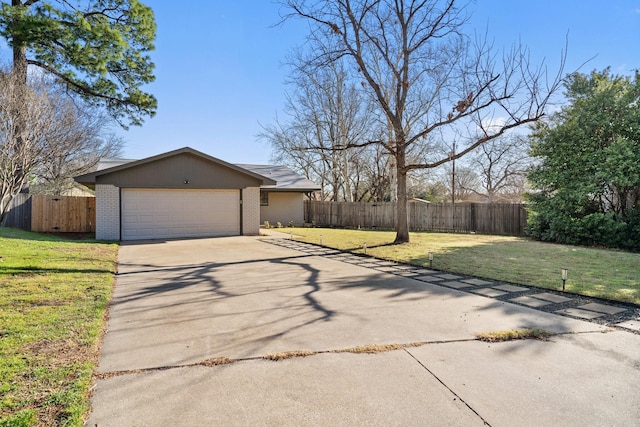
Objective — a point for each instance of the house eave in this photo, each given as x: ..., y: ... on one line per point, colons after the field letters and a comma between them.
x: 89, y: 179
x: 288, y: 190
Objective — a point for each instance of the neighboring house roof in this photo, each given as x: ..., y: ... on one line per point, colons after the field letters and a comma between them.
x: 418, y: 200
x: 274, y: 178
x: 109, y: 162
x: 286, y: 179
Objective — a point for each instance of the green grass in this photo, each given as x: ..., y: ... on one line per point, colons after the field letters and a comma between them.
x: 594, y: 272
x: 54, y: 294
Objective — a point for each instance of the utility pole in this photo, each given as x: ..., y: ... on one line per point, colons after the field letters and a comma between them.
x: 453, y: 173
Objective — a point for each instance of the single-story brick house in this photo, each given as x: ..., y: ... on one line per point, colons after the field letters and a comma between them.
x: 186, y: 193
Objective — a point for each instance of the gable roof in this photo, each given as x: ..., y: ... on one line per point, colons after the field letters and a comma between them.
x: 273, y: 177
x: 286, y: 179
x: 111, y: 165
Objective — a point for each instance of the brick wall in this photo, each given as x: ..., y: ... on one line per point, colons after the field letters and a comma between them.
x: 251, y: 211
x: 107, y: 212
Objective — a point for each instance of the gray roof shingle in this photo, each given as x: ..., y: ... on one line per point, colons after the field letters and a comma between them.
x: 286, y: 179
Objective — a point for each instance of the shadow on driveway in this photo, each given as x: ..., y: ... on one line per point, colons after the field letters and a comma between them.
x: 181, y: 302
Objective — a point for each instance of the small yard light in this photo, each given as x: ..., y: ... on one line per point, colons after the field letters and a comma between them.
x: 565, y: 272
x: 430, y: 259
x: 291, y: 236
x: 364, y: 246
x: 321, y: 240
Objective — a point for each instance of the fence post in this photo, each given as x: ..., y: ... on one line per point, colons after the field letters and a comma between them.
x: 18, y: 214
x: 496, y: 218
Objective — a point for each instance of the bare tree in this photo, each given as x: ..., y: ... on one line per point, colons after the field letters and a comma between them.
x: 287, y: 148
x: 429, y: 80
x: 76, y: 143
x: 26, y: 116
x: 373, y: 177
x: 45, y: 138
x: 324, y: 114
x: 466, y: 183
x: 502, y: 165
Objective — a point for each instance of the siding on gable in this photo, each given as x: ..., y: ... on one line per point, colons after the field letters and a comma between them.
x: 181, y: 171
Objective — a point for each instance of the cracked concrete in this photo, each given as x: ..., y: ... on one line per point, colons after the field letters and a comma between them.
x: 179, y: 304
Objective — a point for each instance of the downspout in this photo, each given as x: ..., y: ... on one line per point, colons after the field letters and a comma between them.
x: 119, y: 214
x: 241, y: 212
x: 307, y: 218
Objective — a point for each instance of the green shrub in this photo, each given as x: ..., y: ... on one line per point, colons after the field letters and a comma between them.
x: 547, y: 223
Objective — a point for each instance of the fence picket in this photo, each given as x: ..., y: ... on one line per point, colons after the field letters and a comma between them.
x: 19, y: 213
x: 63, y: 214
x: 46, y: 214
x: 488, y: 218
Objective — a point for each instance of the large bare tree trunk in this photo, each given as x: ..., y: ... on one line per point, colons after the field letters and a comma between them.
x: 426, y: 77
x: 402, y: 223
x: 19, y: 79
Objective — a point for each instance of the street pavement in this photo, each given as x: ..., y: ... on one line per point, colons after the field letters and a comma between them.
x: 261, y: 331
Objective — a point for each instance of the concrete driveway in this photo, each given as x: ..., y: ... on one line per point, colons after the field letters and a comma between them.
x: 193, y: 324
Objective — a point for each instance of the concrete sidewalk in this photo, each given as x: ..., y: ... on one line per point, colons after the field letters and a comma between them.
x: 181, y: 306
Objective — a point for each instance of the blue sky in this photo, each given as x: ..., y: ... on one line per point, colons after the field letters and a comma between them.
x: 220, y: 72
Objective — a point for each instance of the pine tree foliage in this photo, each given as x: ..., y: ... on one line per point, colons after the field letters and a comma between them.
x: 97, y: 49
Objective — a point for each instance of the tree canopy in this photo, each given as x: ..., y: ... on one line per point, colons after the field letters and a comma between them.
x: 97, y: 49
x: 588, y: 176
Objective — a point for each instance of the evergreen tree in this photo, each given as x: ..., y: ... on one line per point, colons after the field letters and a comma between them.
x: 97, y: 49
x: 588, y: 178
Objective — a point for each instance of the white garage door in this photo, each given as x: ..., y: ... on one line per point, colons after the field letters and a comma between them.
x: 161, y: 214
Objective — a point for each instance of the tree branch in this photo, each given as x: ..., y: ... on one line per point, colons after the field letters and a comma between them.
x: 84, y: 89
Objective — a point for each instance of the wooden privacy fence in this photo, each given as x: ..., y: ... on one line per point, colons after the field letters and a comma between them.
x: 63, y: 214
x: 488, y: 218
x: 52, y: 214
x: 19, y: 213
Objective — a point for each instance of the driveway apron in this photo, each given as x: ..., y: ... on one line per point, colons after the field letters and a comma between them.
x: 238, y: 331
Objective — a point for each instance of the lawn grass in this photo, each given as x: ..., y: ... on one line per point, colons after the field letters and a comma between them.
x: 54, y: 294
x: 602, y: 273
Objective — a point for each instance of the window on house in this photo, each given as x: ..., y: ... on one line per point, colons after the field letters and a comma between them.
x: 264, y: 198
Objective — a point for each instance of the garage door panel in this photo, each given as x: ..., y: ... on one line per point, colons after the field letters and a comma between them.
x: 164, y: 213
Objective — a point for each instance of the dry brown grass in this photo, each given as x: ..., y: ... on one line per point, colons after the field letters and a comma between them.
x: 514, y: 334
x: 216, y: 361
x: 289, y: 355
x: 361, y: 349
x: 373, y: 348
